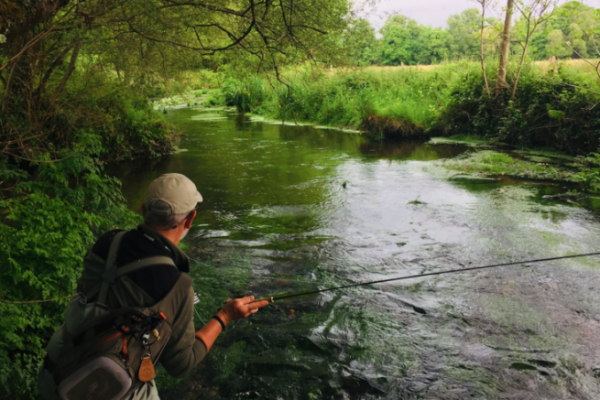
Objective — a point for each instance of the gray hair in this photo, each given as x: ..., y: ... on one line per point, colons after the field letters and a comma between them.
x: 159, y: 215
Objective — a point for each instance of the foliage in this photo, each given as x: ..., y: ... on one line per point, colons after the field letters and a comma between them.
x: 46, y: 227
x: 407, y: 42
x: 57, y: 58
x: 349, y: 97
x: 572, y: 31
x: 553, y: 109
x: 589, y: 172
x: 462, y: 29
x: 361, y: 41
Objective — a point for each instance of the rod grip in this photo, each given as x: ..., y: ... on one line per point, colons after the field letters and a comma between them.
x: 269, y: 299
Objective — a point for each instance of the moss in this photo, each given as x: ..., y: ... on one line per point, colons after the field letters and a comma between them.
x: 492, y: 163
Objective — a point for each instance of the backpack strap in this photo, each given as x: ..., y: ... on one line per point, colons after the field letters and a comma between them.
x: 143, y: 263
x: 110, y: 272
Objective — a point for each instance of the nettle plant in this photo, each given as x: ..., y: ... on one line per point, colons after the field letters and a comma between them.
x: 46, y: 226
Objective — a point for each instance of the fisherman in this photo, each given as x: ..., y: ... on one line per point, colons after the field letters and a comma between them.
x: 169, y: 210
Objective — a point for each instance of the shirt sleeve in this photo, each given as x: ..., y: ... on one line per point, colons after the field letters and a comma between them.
x: 183, y: 351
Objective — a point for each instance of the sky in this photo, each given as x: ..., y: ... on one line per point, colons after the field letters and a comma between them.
x: 429, y: 12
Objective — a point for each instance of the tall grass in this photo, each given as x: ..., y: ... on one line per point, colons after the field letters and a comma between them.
x: 555, y: 106
x: 349, y: 97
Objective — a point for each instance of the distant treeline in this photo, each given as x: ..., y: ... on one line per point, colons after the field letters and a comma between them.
x: 404, y: 41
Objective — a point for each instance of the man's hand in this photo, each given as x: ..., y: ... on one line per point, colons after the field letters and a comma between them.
x: 234, y: 309
x: 240, y: 308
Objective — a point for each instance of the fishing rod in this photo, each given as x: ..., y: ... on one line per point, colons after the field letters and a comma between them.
x: 452, y: 271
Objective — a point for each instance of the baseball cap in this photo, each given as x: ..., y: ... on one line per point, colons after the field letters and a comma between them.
x: 176, y: 190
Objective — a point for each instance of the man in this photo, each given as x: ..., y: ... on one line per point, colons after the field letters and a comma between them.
x: 169, y: 211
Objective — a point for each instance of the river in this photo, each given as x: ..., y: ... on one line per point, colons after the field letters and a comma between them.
x: 290, y: 208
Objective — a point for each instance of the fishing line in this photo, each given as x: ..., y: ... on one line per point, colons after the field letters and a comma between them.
x: 452, y: 271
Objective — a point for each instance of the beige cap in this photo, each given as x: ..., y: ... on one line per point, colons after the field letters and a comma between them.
x: 177, y: 190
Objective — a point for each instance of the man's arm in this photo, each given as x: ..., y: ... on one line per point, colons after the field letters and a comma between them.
x: 187, y: 348
x: 235, y: 309
x: 183, y: 351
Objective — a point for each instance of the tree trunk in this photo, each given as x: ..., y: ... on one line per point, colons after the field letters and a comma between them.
x: 8, y: 88
x: 57, y: 61
x: 505, y: 49
x: 67, y: 75
x: 481, y: 53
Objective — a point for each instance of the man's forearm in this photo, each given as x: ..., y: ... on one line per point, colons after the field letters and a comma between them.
x: 209, y: 332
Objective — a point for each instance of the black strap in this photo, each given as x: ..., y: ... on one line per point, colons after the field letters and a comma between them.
x: 220, y: 321
x: 49, y: 364
x: 132, y: 267
x: 110, y: 270
x: 143, y: 263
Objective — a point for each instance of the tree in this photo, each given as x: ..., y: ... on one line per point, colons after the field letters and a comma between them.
x: 533, y: 14
x: 462, y: 29
x: 362, y: 43
x: 45, y: 40
x: 556, y: 46
x: 399, y: 40
x: 407, y: 42
x: 585, y: 28
x: 432, y: 46
x: 505, y: 48
x: 485, y: 4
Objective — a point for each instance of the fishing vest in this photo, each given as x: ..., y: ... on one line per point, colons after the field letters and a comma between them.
x: 106, y: 353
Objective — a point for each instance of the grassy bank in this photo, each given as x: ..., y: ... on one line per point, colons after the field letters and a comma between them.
x: 554, y: 105
x: 393, y: 103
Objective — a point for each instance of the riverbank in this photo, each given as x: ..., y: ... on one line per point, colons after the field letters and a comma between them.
x: 488, y: 159
x: 554, y: 105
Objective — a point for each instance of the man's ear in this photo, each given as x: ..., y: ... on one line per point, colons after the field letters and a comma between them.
x: 143, y: 208
x: 189, y: 220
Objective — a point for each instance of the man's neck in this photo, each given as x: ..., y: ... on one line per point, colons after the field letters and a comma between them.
x: 172, y: 234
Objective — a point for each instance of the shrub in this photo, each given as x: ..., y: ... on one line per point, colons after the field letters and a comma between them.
x: 46, y: 227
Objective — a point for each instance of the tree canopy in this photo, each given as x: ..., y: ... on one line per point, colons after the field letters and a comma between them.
x: 570, y: 32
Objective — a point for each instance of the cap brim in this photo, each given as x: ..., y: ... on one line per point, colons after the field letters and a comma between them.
x: 199, y: 198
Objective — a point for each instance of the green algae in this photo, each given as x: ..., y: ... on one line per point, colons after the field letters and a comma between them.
x: 492, y: 163
x: 468, y: 140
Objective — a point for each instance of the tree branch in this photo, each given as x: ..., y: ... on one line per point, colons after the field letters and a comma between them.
x: 67, y: 75
x: 36, y: 39
x: 57, y: 61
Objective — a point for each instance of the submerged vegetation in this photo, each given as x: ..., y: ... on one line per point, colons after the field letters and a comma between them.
x: 492, y: 163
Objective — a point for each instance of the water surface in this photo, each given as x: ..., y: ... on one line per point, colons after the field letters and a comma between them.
x: 290, y: 208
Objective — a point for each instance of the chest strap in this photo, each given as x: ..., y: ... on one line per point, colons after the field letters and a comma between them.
x: 111, y: 273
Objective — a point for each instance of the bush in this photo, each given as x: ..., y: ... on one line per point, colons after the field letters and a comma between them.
x: 550, y: 110
x: 46, y: 227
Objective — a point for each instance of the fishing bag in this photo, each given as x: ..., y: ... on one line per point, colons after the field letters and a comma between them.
x: 106, y: 354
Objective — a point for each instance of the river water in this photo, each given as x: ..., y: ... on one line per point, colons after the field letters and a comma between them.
x: 293, y: 208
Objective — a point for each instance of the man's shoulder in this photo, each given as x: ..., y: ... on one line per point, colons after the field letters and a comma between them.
x: 102, y: 245
x: 155, y: 280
